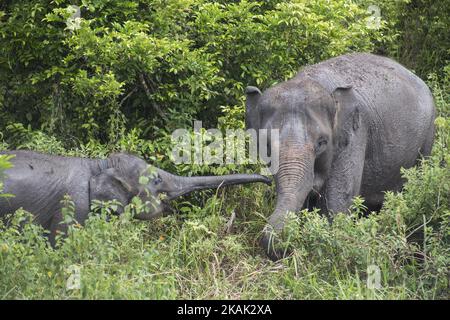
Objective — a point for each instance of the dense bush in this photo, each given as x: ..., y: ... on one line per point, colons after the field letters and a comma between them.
x: 133, y: 72
x: 156, y: 64
x: 4, y: 165
x: 415, y: 32
x: 425, y: 40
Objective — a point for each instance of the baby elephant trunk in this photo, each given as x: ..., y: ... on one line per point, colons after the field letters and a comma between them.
x: 186, y: 185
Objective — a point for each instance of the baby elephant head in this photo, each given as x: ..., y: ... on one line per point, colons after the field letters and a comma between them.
x: 124, y: 176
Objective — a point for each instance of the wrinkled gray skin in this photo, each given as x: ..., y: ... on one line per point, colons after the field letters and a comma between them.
x: 40, y: 181
x: 347, y: 125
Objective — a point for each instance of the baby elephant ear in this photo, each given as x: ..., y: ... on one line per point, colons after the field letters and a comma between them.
x: 251, y: 113
x: 110, y: 185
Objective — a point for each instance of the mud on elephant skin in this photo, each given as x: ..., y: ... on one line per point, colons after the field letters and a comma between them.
x: 40, y: 181
x: 346, y: 127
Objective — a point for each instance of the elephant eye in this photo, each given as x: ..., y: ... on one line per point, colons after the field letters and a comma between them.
x: 157, y: 181
x: 321, y: 144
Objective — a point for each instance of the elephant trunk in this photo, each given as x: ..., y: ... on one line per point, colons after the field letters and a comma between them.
x: 187, y: 185
x: 294, y: 181
x: 179, y: 186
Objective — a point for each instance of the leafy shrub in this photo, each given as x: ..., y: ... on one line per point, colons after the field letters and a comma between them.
x: 425, y: 41
x: 155, y: 65
x: 133, y: 72
x: 4, y: 165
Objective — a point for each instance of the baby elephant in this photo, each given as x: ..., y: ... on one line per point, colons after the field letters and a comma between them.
x: 40, y: 181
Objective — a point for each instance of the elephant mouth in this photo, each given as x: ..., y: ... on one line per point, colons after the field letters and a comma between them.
x: 153, y: 211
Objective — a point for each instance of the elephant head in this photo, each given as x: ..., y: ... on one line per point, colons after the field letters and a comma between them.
x: 313, y: 123
x: 124, y: 176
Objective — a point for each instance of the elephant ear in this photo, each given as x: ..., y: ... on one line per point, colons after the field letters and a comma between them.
x: 347, y: 117
x: 110, y: 184
x: 253, y: 94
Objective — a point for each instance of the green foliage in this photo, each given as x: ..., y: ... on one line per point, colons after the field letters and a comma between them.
x: 425, y: 40
x: 135, y: 70
x: 157, y: 64
x: 4, y: 165
x: 386, y: 15
x: 414, y: 32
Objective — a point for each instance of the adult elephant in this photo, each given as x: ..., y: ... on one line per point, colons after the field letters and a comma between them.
x: 40, y: 181
x: 346, y: 127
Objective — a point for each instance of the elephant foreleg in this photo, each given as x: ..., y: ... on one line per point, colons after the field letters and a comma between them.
x: 344, y: 183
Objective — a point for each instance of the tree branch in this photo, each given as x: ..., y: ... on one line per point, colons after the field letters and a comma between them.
x: 149, y: 96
